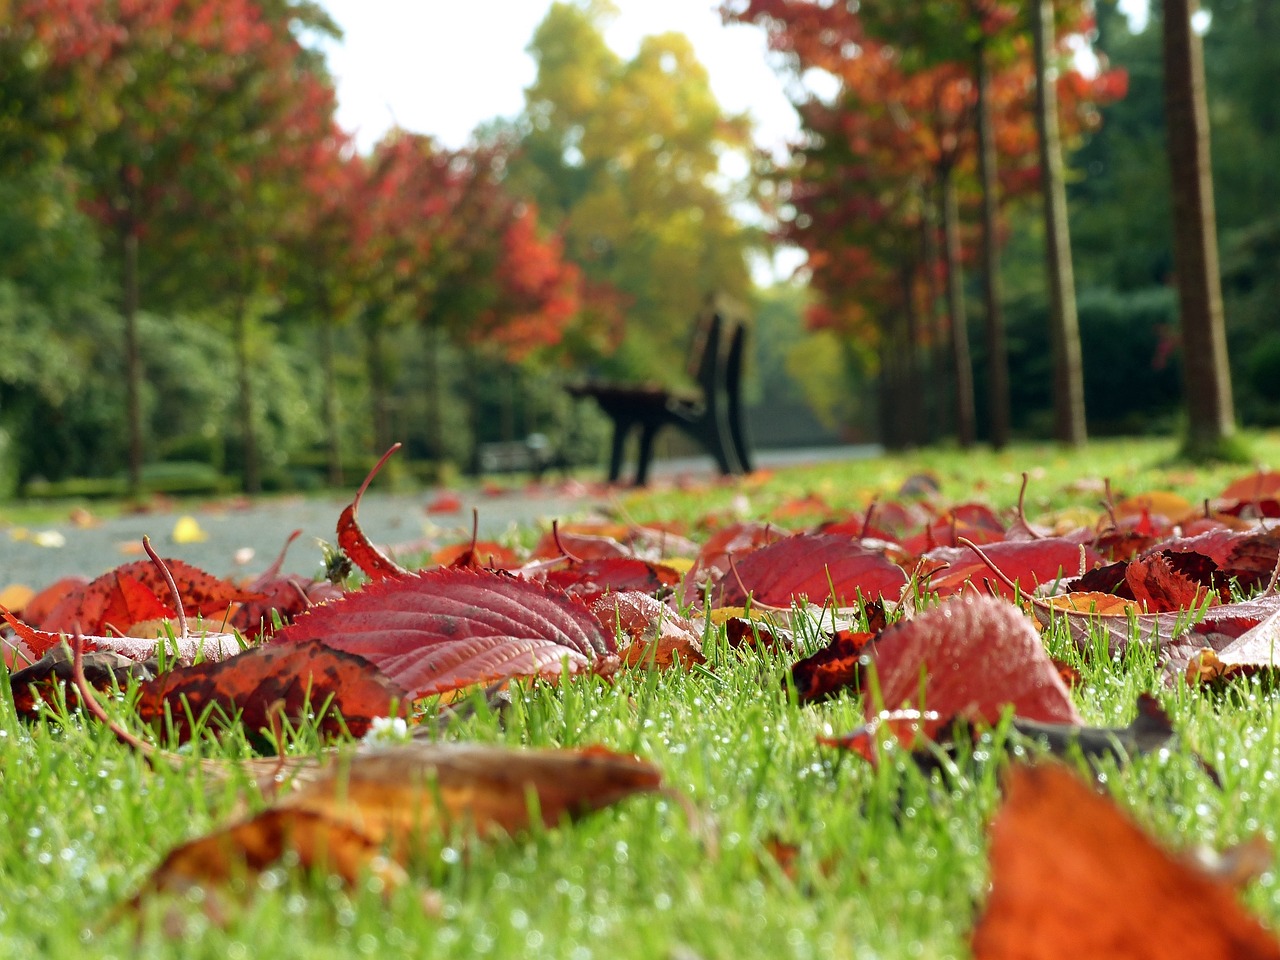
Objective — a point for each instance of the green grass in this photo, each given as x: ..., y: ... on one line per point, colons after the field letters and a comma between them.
x: 891, y: 864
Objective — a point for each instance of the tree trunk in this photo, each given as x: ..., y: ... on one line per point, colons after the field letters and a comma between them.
x: 1211, y: 417
x: 962, y: 365
x: 1064, y: 325
x: 937, y: 405
x: 909, y: 378
x: 997, y: 357
x: 376, y: 361
x: 332, y: 425
x: 248, y: 436
x: 132, y: 360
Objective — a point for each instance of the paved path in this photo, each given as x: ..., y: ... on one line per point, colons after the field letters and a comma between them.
x: 264, y: 526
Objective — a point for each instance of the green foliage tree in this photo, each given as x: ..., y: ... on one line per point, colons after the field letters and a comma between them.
x: 624, y: 158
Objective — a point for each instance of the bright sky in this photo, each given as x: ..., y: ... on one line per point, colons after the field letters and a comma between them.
x: 444, y: 66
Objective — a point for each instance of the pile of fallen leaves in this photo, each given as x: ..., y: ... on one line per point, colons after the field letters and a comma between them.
x: 932, y: 613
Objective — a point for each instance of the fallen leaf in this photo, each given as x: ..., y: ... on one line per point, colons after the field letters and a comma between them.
x: 298, y: 680
x: 188, y: 530
x: 1072, y: 876
x: 444, y: 629
x: 813, y: 567
x: 651, y: 633
x: 398, y: 800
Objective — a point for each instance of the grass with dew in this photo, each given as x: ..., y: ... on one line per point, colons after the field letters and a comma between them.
x: 889, y: 862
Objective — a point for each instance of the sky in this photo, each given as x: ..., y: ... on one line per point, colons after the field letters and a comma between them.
x: 443, y: 66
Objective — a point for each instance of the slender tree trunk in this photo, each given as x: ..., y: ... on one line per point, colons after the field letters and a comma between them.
x: 332, y: 424
x: 912, y: 401
x: 132, y: 360
x: 1064, y: 325
x: 248, y: 435
x: 962, y: 366
x: 997, y: 356
x: 1211, y: 415
x: 937, y: 392
x: 376, y: 363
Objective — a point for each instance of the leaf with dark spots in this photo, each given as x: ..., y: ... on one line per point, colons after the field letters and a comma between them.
x: 1253, y: 560
x: 814, y: 567
x: 37, y: 683
x: 371, y: 561
x: 40, y: 607
x: 445, y: 629
x: 590, y: 579
x: 137, y: 593
x: 832, y: 669
x: 1073, y: 875
x: 651, y: 634
x: 298, y: 680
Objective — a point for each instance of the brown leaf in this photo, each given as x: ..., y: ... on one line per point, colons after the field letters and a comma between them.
x: 1071, y: 876
x: 398, y: 799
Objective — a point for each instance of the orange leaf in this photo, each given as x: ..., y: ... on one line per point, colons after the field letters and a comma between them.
x: 1071, y: 876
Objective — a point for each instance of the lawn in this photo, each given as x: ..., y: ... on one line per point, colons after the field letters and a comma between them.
x: 889, y: 862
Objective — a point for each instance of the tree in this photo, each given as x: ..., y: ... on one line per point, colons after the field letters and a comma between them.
x: 1210, y: 411
x: 151, y: 97
x: 624, y: 161
x: 1069, y: 425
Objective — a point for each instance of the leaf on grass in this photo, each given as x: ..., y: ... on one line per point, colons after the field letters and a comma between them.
x: 399, y: 800
x: 445, y: 629
x: 1073, y: 876
x: 208, y: 646
x: 1158, y: 588
x: 137, y: 593
x: 591, y: 579
x: 1258, y: 648
x: 968, y: 659
x: 1263, y: 485
x: 298, y: 679
x: 36, y: 683
x: 1029, y: 563
x: 811, y: 566
x: 651, y: 633
x: 834, y: 668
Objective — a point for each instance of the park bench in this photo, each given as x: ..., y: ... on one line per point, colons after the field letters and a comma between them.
x: 711, y: 415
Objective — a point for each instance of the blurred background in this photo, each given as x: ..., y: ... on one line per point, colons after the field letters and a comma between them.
x: 247, y: 244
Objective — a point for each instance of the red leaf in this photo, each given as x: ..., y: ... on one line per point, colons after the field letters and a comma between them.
x: 712, y: 561
x: 1265, y: 484
x: 303, y: 676
x: 833, y: 668
x: 108, y: 600
x: 977, y: 656
x: 591, y: 579
x: 654, y: 635
x: 811, y: 566
x: 371, y: 561
x: 1158, y: 588
x: 445, y: 629
x: 1072, y: 876
x: 1028, y: 563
